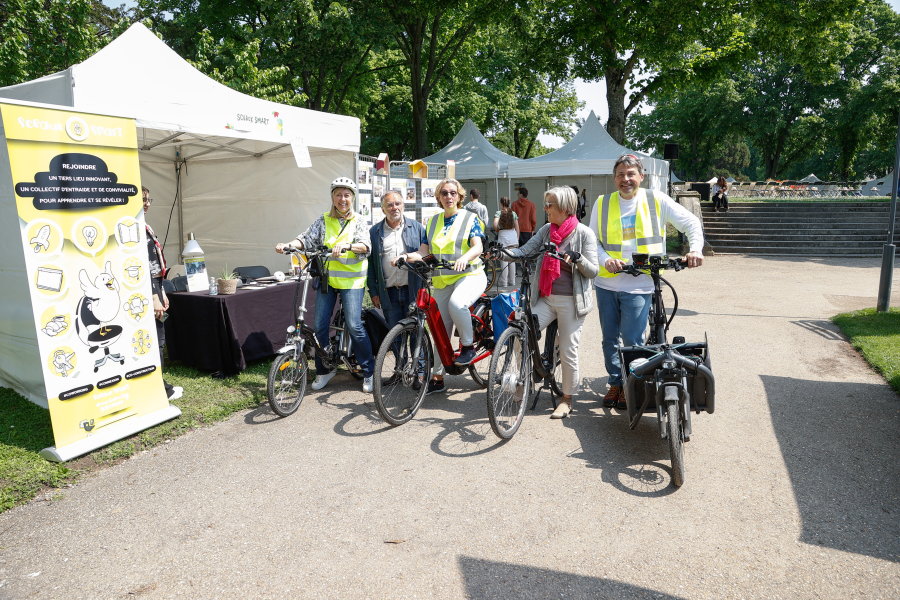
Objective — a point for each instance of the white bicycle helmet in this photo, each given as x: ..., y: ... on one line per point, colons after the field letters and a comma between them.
x: 344, y: 182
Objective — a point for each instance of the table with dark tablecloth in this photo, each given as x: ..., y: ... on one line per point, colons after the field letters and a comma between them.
x: 221, y: 333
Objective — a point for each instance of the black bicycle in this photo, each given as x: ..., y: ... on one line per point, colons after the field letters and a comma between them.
x: 515, y: 367
x: 287, y: 380
x: 670, y: 378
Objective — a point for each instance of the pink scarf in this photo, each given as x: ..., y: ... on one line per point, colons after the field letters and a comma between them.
x: 550, y: 269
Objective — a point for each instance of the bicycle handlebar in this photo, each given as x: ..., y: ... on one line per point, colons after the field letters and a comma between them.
x: 549, y: 249
x: 654, y: 264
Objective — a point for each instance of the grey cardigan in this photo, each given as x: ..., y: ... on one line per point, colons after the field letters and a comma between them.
x: 581, y: 240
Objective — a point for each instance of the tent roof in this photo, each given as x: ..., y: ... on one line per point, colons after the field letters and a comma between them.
x: 591, y: 152
x: 675, y: 178
x: 475, y: 156
x: 137, y: 75
x: 811, y: 178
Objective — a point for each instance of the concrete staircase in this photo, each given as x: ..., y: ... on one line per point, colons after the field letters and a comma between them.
x: 800, y: 228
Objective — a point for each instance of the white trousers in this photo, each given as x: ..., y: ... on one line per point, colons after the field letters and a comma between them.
x: 562, y: 308
x: 454, y: 302
x: 508, y: 274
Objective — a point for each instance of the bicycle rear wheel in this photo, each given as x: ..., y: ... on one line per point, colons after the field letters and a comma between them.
x: 286, y: 384
x: 675, y: 434
x: 484, y: 342
x: 551, y: 355
x: 509, y: 382
x: 396, y: 372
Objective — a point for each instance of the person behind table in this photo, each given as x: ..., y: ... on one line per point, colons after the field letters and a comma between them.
x: 392, y: 289
x: 477, y: 207
x: 506, y: 224
x: 160, y: 300
x: 720, y: 194
x: 457, y: 289
x: 564, y: 290
x: 627, y: 221
x: 347, y: 234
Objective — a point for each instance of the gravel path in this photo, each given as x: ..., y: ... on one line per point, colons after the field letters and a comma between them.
x: 791, y: 491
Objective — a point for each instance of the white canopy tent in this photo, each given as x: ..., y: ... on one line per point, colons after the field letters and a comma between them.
x: 811, y: 178
x: 591, y: 153
x: 881, y: 186
x: 218, y: 161
x: 478, y: 163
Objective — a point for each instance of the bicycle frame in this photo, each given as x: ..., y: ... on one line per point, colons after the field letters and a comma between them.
x: 302, y: 334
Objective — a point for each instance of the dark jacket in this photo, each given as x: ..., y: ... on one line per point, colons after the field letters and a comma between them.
x: 413, y: 237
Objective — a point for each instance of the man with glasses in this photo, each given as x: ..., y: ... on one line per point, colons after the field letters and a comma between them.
x: 631, y: 220
x: 390, y: 288
x: 160, y: 301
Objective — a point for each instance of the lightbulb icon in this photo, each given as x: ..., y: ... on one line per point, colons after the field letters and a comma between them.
x: 90, y: 234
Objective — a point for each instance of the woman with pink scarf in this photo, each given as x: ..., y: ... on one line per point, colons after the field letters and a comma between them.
x: 564, y: 290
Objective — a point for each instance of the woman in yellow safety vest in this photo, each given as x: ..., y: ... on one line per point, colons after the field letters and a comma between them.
x: 455, y: 236
x: 347, y: 234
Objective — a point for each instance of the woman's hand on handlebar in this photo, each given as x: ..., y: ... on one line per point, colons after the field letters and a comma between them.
x: 460, y: 264
x: 409, y: 257
x: 280, y: 248
x: 614, y: 265
x: 694, y: 259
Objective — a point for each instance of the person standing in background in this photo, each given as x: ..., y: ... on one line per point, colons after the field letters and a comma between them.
x: 477, y: 207
x: 526, y: 213
x: 160, y: 301
x: 506, y: 224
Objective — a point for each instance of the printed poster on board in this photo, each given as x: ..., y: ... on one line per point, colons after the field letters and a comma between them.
x: 77, y: 189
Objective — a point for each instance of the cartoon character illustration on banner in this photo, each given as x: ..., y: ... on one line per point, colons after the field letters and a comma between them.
x: 95, y: 311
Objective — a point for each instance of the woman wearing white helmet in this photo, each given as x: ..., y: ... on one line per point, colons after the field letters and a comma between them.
x: 347, y: 234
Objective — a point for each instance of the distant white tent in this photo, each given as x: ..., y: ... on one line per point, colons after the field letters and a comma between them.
x: 591, y: 152
x: 879, y: 187
x: 713, y: 180
x: 811, y: 178
x: 675, y: 178
x: 730, y: 180
x: 241, y: 188
x: 475, y: 157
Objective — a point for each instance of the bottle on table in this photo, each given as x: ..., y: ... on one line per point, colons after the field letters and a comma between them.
x: 213, y: 287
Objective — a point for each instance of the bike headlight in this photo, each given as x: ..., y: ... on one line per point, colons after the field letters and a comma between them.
x: 668, y: 364
x: 291, y: 329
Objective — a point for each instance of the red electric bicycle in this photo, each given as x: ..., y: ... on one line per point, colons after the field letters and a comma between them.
x: 404, y: 362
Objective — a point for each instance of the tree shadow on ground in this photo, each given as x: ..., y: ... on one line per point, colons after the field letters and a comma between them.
x: 490, y: 579
x: 840, y: 442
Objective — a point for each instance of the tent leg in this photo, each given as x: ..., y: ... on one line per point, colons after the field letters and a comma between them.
x: 180, y: 200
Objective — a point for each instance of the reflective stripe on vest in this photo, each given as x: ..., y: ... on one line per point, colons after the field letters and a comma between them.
x: 348, y: 271
x: 649, y: 237
x: 451, y: 246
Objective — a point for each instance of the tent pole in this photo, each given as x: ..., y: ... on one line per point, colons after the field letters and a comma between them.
x: 180, y: 199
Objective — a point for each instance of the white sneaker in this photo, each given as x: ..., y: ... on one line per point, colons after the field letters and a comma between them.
x: 177, y: 392
x: 369, y: 384
x: 322, y: 380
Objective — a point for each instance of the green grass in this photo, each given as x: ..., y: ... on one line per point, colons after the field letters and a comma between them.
x: 25, y: 429
x: 877, y: 337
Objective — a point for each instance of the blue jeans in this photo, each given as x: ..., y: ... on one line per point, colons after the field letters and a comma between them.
x: 351, y: 300
x: 622, y: 315
x: 399, y: 297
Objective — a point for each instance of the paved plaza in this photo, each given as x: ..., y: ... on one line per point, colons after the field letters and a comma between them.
x: 791, y: 490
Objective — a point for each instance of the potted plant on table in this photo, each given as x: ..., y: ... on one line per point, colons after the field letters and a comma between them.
x: 227, y: 282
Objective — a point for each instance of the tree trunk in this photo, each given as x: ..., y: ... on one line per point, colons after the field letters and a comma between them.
x: 615, y: 100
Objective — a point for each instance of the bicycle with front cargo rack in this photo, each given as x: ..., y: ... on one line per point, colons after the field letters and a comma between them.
x: 287, y: 380
x: 400, y: 379
x: 516, y: 367
x: 670, y: 379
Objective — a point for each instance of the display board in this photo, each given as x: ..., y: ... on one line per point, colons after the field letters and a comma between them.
x: 76, y: 181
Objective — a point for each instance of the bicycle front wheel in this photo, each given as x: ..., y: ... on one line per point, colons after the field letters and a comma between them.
x: 509, y: 382
x: 676, y: 435
x: 397, y: 374
x: 492, y: 272
x: 287, y: 384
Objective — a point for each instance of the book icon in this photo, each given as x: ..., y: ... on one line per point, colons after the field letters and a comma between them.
x: 129, y: 234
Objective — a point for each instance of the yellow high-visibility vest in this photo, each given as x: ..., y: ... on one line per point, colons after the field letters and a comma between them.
x: 348, y: 271
x: 450, y: 245
x: 650, y: 237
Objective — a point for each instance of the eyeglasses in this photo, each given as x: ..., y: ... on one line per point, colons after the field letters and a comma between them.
x: 393, y: 205
x: 450, y: 193
x: 148, y: 200
x: 549, y: 204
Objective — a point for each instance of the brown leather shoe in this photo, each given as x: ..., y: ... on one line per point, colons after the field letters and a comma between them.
x: 562, y: 410
x: 611, y: 399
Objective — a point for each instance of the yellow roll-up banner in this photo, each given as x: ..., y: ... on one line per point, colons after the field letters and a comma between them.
x: 77, y: 189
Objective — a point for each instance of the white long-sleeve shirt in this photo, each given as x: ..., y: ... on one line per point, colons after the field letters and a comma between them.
x: 670, y: 213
